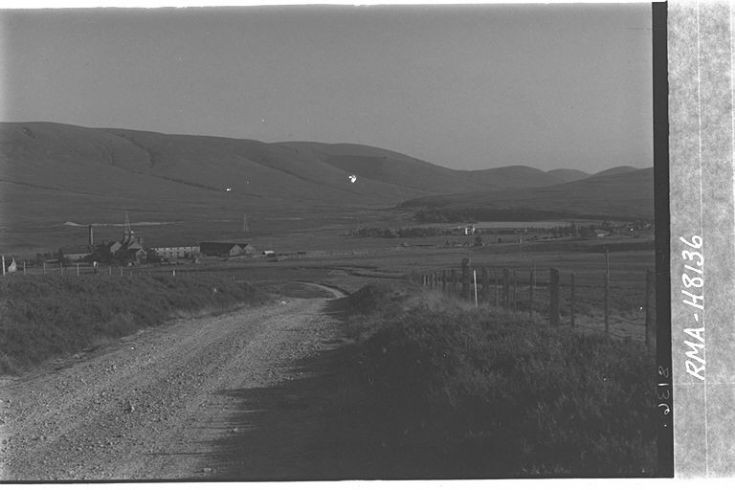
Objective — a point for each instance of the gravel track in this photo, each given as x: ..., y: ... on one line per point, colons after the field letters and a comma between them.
x: 150, y: 406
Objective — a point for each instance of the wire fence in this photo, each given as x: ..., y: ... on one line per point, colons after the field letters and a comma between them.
x: 586, y: 302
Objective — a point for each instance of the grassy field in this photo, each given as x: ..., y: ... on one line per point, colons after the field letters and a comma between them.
x: 42, y: 317
x: 461, y: 392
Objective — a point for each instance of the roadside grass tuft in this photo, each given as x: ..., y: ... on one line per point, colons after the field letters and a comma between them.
x: 503, y: 395
x: 49, y: 316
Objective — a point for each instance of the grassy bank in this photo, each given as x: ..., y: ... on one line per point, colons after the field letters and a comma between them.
x: 477, y: 393
x: 47, y: 316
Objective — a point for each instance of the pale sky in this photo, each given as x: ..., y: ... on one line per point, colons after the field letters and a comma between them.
x: 561, y: 86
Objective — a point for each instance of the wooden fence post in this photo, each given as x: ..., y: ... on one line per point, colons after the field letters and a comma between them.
x: 607, y: 302
x: 497, y: 286
x: 650, y: 311
x: 506, y: 288
x: 24, y: 267
x: 554, y: 297
x: 466, y: 279
x: 109, y: 271
x: 44, y: 267
x: 531, y: 280
x: 77, y: 270
x: 571, y: 301
x: 474, y: 277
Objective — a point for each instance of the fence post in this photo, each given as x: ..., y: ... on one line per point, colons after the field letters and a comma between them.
x: 173, y: 272
x: 44, y: 267
x: 474, y: 276
x: 110, y: 270
x: 554, y: 297
x: 606, y: 304
x: 24, y: 267
x: 497, y: 287
x: 77, y: 270
x: 607, y: 291
x: 531, y: 279
x: 506, y: 288
x: 2, y: 257
x: 650, y: 311
x: 571, y: 301
x: 61, y: 268
x: 515, y: 291
x: 466, y: 279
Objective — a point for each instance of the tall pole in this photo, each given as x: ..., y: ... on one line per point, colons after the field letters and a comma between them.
x: 3, y: 259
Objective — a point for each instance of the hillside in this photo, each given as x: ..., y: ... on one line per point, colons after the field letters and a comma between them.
x: 569, y: 174
x: 624, y: 194
x: 55, y: 173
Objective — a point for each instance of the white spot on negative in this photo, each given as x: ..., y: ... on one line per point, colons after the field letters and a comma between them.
x: 353, y: 178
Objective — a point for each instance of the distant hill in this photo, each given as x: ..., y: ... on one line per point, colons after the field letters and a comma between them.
x: 618, y: 170
x: 627, y: 194
x: 568, y: 174
x: 55, y: 173
x: 390, y: 167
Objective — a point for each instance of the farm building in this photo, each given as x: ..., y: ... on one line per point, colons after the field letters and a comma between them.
x: 127, y: 251
x: 225, y: 249
x: 177, y: 252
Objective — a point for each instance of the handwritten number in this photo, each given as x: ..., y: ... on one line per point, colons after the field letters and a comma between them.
x: 692, y: 282
x: 695, y: 243
x: 691, y: 256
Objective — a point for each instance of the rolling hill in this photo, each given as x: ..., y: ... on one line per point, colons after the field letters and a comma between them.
x: 54, y: 173
x: 627, y: 193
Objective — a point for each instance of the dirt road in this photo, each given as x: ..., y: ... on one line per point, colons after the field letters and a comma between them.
x: 153, y: 405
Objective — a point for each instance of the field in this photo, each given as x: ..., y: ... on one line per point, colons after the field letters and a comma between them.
x: 328, y: 253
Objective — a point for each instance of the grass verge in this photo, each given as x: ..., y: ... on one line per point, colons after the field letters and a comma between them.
x: 44, y: 317
x: 479, y: 393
